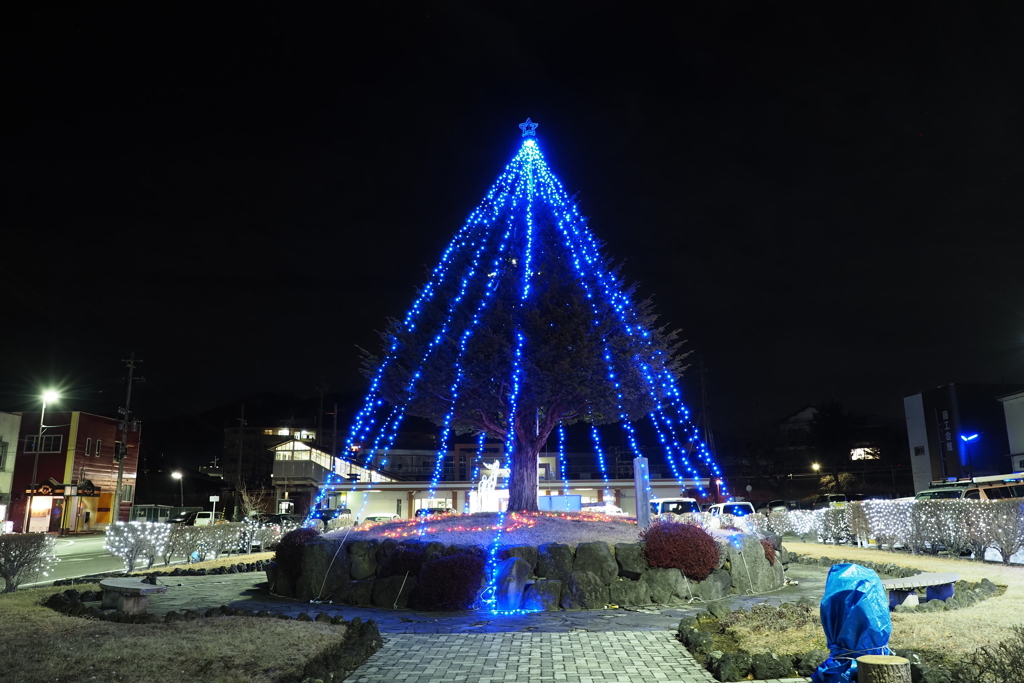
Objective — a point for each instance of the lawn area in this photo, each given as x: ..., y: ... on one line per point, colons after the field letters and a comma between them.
x: 964, y: 630
x: 38, y: 644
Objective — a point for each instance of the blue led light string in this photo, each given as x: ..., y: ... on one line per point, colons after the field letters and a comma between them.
x: 561, y: 464
x: 621, y: 304
x: 600, y: 459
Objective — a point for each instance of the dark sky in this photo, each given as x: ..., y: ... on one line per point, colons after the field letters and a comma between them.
x: 827, y: 204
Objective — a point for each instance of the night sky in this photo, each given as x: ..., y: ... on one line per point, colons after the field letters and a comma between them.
x: 827, y: 205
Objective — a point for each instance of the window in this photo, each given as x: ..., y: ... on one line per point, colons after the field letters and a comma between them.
x: 117, y: 451
x: 50, y: 443
x: 918, y: 450
x: 99, y: 445
x: 3, y: 455
x: 126, y: 493
x: 88, y: 446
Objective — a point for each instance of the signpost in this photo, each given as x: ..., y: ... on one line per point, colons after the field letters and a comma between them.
x: 214, y: 499
x: 642, y: 486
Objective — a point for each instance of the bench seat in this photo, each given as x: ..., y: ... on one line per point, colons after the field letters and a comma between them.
x: 128, y: 595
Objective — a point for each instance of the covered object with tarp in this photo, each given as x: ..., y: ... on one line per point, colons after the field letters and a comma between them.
x: 855, y: 618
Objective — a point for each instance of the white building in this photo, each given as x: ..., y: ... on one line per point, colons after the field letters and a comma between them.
x: 10, y: 426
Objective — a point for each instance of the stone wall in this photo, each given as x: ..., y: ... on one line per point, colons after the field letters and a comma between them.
x: 553, y: 576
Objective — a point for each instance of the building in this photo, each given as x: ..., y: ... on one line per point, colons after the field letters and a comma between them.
x: 960, y: 430
x: 77, y: 472
x: 10, y: 427
x: 1013, y: 414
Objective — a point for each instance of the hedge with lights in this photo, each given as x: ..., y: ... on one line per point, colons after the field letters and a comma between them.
x: 132, y: 541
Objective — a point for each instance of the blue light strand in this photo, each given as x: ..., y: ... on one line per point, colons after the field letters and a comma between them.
x: 561, y: 464
x: 600, y: 459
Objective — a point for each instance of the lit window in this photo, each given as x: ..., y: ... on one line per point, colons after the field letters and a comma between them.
x: 88, y: 446
x: 864, y: 454
x: 283, y: 432
x: 99, y: 445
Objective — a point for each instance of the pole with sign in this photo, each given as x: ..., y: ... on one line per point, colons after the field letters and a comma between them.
x: 214, y: 499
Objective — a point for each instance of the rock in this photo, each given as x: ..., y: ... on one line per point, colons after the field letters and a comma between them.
x: 71, y: 594
x: 356, y: 593
x: 783, y: 556
x: 987, y: 587
x: 751, y: 572
x: 810, y: 661
x: 338, y: 620
x: 282, y: 615
x: 303, y: 617
x: 732, y: 666
x: 554, y: 561
x: 630, y: 558
x: 687, y: 622
x: 263, y: 613
x: 88, y: 596
x: 434, y: 550
x: 629, y: 593
x: 715, y: 587
x: 696, y: 641
x: 325, y: 569
x: 510, y: 582
x: 244, y: 612
x: 460, y: 549
x: 934, y: 606
x: 362, y: 559
x: 584, y: 590
x: 524, y: 552
x: 226, y: 610
x: 212, y: 612
x: 596, y: 557
x: 95, y: 613
x: 544, y: 594
x: 666, y: 586
x: 393, y: 592
x: 386, y: 547
x: 770, y: 665
x: 172, y: 616
x: 57, y: 601
x: 323, y: 618
x: 718, y: 610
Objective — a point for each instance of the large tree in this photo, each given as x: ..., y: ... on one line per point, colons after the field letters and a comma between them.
x: 524, y: 326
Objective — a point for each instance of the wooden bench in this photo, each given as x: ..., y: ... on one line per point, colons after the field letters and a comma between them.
x: 938, y: 585
x: 130, y: 596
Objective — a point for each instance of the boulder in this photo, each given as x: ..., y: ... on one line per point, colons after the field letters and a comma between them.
x: 696, y: 641
x: 543, y: 595
x: 356, y: 593
x: 810, y: 661
x: 554, y: 561
x: 732, y: 666
x: 460, y: 549
x: 524, y: 552
x: 751, y: 572
x: 510, y: 582
x: 385, y: 548
x: 666, y: 586
x: 323, y: 618
x: 362, y: 559
x: 782, y: 555
x: 584, y: 590
x: 628, y: 593
x: 630, y: 558
x: 718, y: 610
x: 324, y: 570
x: 715, y: 587
x: 434, y: 550
x: 596, y: 557
x: 770, y: 665
x: 393, y: 591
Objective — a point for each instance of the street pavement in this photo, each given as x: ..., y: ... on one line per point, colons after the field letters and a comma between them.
x: 635, y: 645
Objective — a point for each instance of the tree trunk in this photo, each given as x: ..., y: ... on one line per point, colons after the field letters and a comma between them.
x: 522, y: 485
x: 883, y: 669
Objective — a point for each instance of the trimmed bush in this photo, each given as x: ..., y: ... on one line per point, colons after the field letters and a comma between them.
x: 289, y: 552
x: 769, y: 550
x: 451, y: 582
x: 681, y: 546
x: 24, y: 557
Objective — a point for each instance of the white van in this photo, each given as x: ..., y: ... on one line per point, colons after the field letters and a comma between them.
x: 206, y: 518
x: 674, y: 506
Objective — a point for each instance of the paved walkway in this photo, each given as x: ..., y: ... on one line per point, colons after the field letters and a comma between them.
x: 635, y: 645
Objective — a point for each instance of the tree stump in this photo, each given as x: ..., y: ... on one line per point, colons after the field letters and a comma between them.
x: 883, y: 669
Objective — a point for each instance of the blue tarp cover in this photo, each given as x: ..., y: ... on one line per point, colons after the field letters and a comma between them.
x: 855, y: 618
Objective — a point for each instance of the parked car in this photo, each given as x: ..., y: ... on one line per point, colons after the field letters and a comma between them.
x: 381, y: 517
x: 829, y: 500
x: 429, y: 512
x: 604, y: 508
x: 205, y: 518
x: 186, y: 518
x: 675, y: 506
x: 772, y: 506
x: 736, y: 509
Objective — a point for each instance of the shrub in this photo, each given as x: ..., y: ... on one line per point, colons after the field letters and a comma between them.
x: 289, y: 552
x: 451, y: 582
x: 998, y: 663
x: 681, y: 546
x: 23, y: 557
x: 769, y: 550
x: 132, y: 541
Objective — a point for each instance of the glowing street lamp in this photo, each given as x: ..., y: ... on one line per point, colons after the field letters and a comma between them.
x: 181, y: 483
x: 967, y: 439
x: 815, y: 467
x: 49, y: 396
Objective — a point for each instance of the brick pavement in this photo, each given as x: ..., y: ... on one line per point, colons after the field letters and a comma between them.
x: 576, y: 657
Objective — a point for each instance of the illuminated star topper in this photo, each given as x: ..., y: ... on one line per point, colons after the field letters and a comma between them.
x: 529, y: 128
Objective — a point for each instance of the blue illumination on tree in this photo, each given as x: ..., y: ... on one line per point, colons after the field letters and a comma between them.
x: 524, y: 327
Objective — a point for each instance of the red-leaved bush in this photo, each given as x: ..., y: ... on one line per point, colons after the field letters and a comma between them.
x: 288, y: 558
x: 769, y: 550
x: 450, y: 583
x: 677, y: 545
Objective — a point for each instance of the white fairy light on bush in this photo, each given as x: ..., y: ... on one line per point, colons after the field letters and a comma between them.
x: 133, y: 540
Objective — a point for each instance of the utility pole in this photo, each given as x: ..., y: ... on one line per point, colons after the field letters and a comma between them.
x: 122, y: 452
x: 334, y: 441
x: 320, y: 416
x: 241, y: 432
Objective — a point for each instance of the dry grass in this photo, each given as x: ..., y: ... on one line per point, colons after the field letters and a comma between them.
x: 964, y: 630
x: 791, y: 641
x: 48, y: 646
x: 520, y: 529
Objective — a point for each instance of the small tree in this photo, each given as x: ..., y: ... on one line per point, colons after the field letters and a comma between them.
x: 24, y: 557
x: 132, y: 541
x: 1007, y: 527
x: 250, y: 501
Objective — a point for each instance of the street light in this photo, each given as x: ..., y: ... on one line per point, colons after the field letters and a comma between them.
x: 815, y: 467
x: 967, y: 439
x: 181, y: 482
x: 49, y: 396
